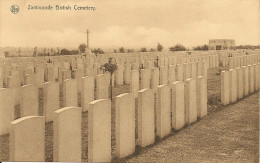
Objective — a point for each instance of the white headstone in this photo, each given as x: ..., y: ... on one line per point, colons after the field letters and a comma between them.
x: 99, y: 131
x: 50, y: 99
x: 29, y: 100
x: 27, y: 139
x: 6, y: 109
x: 67, y: 135
x: 163, y: 111
x: 146, y: 127
x: 178, y: 112
x: 88, y: 86
x: 190, y: 101
x: 125, y: 125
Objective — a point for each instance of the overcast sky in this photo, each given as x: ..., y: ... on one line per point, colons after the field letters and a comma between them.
x: 130, y: 23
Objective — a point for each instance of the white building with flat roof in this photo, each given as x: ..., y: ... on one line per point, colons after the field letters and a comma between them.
x: 222, y: 44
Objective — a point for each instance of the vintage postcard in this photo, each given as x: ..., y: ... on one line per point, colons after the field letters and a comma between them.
x: 129, y: 80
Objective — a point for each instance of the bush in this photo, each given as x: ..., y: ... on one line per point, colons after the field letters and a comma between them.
x: 6, y: 54
x: 97, y: 51
x: 143, y: 49
x: 82, y: 48
x: 130, y: 50
x: 203, y: 47
x: 111, y: 68
x: 159, y: 47
x: 74, y: 52
x: 152, y: 50
x: 177, y: 47
x: 122, y: 50
x: 65, y: 52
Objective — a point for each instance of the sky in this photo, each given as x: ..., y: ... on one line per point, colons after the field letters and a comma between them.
x: 130, y: 23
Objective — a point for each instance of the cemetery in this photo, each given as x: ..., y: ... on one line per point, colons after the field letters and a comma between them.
x: 63, y: 108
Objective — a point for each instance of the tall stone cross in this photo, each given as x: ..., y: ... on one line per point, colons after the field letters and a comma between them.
x: 87, y: 38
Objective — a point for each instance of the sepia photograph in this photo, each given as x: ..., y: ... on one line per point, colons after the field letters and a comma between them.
x: 138, y: 81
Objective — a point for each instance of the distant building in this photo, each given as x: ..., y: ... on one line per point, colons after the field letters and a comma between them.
x: 222, y: 44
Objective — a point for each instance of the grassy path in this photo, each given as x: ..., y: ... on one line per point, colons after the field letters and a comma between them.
x: 230, y: 134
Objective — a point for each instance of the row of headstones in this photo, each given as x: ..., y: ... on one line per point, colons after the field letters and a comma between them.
x: 39, y: 79
x: 102, y: 85
x: 125, y: 56
x: 240, y: 61
x: 239, y: 82
x: 60, y: 73
x: 141, y: 60
x: 122, y: 75
x: 28, y: 98
x: 75, y: 60
x: 214, y: 59
x: 211, y: 60
x: 223, y: 59
x: 154, y: 79
x: 39, y: 65
x: 38, y: 75
x: 27, y: 95
x: 58, y: 66
x: 50, y: 73
x: 151, y: 78
x: 43, y: 62
x: 177, y: 104
x: 165, y: 76
x: 220, y: 59
x: 31, y: 76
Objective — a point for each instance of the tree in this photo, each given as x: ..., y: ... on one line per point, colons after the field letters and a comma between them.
x: 74, y: 52
x: 65, y: 52
x: 246, y: 47
x: 82, y: 48
x: 115, y: 51
x: 6, y: 54
x: 143, y: 49
x: 159, y: 47
x: 197, y: 48
x: 58, y: 50
x: 97, y: 51
x: 152, y: 50
x: 130, y: 50
x: 111, y: 68
x: 40, y: 54
x: 177, y: 47
x: 122, y: 50
x: 203, y: 47
x: 44, y: 51
x: 52, y: 51
x: 48, y: 53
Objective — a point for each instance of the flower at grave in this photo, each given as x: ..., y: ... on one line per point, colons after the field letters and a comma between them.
x: 111, y: 68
